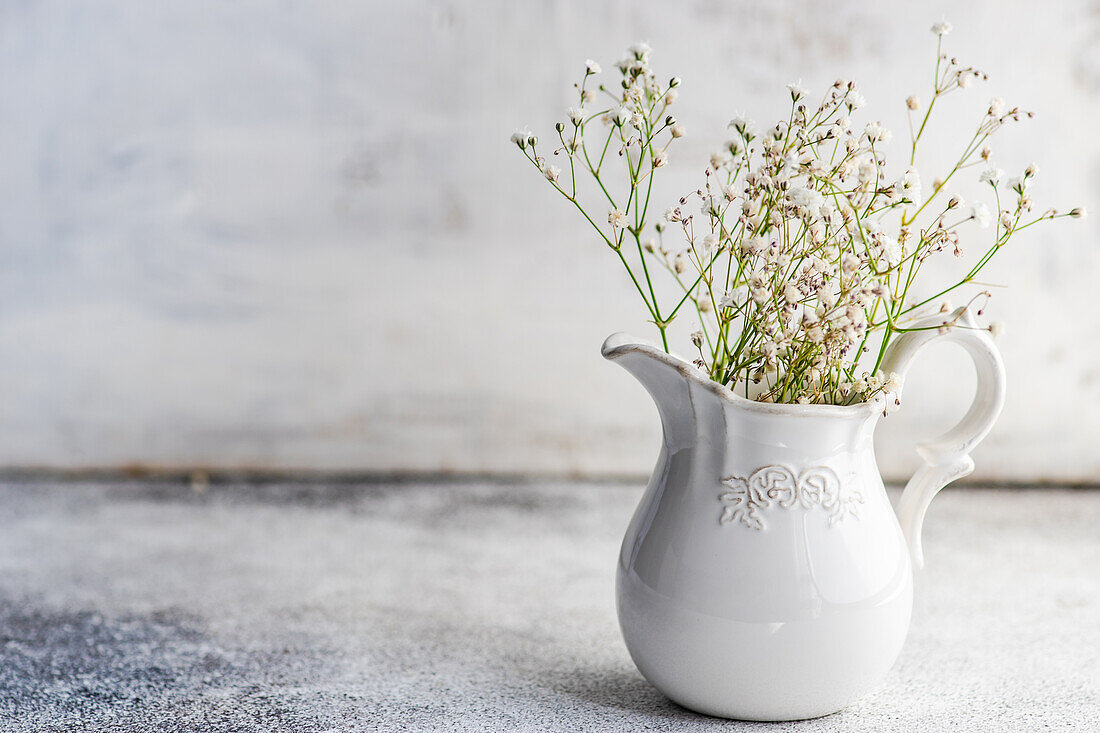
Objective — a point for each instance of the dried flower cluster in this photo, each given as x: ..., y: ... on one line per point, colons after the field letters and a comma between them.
x: 799, y: 252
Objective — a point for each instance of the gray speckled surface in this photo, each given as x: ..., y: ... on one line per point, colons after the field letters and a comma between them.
x: 147, y: 606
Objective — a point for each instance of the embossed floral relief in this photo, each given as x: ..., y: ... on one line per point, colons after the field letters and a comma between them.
x: 745, y: 498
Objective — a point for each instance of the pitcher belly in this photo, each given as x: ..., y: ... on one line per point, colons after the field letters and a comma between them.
x: 762, y: 669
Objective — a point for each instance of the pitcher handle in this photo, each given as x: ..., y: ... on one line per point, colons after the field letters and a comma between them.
x: 947, y: 457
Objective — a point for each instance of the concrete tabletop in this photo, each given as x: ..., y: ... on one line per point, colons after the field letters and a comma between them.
x: 154, y: 606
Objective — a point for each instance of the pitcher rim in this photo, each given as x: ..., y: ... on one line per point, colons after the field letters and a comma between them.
x: 620, y: 343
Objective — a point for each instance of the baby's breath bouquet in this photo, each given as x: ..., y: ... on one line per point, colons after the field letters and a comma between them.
x: 799, y: 252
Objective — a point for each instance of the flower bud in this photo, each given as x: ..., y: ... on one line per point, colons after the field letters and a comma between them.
x: 670, y: 120
x: 913, y: 102
x: 560, y: 127
x: 1078, y: 212
x: 674, y: 82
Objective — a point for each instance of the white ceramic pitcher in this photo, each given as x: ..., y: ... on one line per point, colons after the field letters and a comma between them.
x: 764, y: 575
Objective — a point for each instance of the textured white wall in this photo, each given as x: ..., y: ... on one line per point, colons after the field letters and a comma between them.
x: 294, y: 234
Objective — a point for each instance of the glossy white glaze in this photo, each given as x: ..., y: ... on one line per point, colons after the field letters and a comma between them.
x: 764, y: 575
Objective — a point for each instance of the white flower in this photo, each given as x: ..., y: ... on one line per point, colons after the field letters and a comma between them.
x: 616, y: 218
x: 965, y: 76
x: 576, y: 116
x: 942, y: 28
x: 991, y: 175
x: 797, y: 90
x: 520, y: 137
x: 640, y: 49
x: 672, y: 214
x: 660, y: 158
x: 754, y: 246
x: 867, y: 171
x: 875, y: 132
x: 980, y: 213
x: 551, y: 172
x: 910, y: 184
x: 622, y: 116
x: 1078, y: 212
x: 592, y: 67
x: 670, y: 96
x: 697, y: 339
x: 712, y: 206
x: 996, y: 107
x: 854, y: 99
x: 912, y: 102
x: 588, y: 96
x: 808, y: 200
x: 734, y: 298
x: 678, y: 130
x: 710, y: 246
x: 890, y: 248
x: 791, y: 293
x: 788, y: 166
x: 892, y: 383
x: 743, y: 125
x: 996, y: 328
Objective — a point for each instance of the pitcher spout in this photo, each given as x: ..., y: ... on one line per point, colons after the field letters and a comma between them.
x: 667, y: 379
x: 693, y: 406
